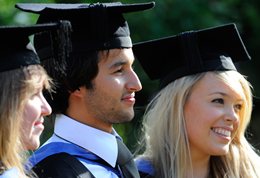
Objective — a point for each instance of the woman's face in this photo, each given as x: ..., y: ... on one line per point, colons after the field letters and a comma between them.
x: 35, y: 108
x: 212, y: 115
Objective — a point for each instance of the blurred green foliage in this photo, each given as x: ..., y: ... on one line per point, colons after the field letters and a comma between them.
x: 170, y: 17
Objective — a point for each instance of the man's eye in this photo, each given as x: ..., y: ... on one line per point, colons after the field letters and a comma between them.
x: 119, y: 70
x: 218, y: 100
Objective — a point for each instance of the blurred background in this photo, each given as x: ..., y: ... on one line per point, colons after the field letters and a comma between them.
x: 170, y: 17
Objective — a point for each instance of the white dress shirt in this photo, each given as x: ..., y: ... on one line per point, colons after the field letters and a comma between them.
x: 100, y: 143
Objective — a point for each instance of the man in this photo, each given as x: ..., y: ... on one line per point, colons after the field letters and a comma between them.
x: 95, y: 89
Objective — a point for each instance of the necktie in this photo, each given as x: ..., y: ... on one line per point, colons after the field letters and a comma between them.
x: 126, y: 162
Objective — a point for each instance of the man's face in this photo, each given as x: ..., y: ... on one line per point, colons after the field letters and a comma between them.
x: 112, y: 97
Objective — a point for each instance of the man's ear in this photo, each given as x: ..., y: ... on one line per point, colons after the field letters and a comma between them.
x: 78, y: 92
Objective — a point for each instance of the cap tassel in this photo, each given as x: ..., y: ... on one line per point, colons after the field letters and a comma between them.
x: 61, y: 44
x: 190, y: 51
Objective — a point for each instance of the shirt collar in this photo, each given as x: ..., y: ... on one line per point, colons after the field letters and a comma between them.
x: 100, y: 143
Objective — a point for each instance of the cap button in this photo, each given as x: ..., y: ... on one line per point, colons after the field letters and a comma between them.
x: 106, y: 44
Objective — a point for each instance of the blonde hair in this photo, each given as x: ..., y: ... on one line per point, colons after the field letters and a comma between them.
x: 16, y: 85
x: 166, y: 141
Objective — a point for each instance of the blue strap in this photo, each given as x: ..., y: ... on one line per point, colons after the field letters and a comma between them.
x: 145, y: 166
x: 74, y: 150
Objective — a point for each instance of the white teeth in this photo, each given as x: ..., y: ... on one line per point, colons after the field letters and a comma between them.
x: 224, y: 132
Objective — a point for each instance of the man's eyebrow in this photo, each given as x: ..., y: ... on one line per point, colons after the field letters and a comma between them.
x: 118, y: 63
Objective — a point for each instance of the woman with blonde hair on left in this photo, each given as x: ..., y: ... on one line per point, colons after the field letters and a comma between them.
x: 22, y: 104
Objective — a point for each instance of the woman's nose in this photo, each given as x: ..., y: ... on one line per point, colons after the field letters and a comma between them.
x: 46, y: 108
x: 231, y: 115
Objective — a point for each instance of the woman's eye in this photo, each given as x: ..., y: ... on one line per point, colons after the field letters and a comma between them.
x: 36, y: 94
x: 238, y: 107
x: 218, y: 100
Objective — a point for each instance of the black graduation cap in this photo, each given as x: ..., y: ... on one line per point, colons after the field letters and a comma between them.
x: 96, y: 26
x: 191, y: 52
x: 15, y: 47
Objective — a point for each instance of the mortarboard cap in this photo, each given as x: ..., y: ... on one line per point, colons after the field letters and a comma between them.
x: 191, y: 52
x: 96, y: 26
x: 15, y: 47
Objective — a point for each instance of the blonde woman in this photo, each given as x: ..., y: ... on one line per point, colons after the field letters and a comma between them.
x: 22, y: 104
x: 195, y: 125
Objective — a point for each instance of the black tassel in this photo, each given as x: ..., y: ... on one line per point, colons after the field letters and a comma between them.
x: 62, y: 48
